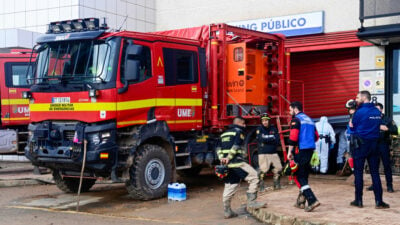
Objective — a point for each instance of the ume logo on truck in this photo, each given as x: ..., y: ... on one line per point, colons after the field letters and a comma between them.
x: 185, y: 113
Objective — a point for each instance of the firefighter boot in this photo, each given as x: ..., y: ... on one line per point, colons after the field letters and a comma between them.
x: 252, y: 203
x: 277, y: 183
x: 228, y: 213
x: 262, y: 183
x: 301, y: 201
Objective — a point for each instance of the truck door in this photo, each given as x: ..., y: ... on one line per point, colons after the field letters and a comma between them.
x: 15, y: 110
x: 181, y: 66
x: 136, y: 99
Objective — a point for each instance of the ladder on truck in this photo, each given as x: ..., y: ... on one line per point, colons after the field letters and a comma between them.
x: 283, y: 130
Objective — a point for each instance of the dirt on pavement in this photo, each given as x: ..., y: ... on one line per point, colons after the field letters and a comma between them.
x: 335, y: 195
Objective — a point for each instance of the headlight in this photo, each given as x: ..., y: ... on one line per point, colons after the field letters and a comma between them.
x: 94, y: 138
x: 105, y: 135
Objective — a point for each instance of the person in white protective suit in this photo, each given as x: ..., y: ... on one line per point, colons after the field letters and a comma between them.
x: 325, y: 142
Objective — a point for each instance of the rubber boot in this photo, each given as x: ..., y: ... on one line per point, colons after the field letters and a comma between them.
x: 277, y: 183
x: 261, y: 185
x: 301, y: 201
x: 390, y: 188
x: 228, y: 213
x: 252, y: 203
x: 311, y: 199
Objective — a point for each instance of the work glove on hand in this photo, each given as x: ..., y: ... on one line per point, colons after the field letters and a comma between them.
x: 314, y: 160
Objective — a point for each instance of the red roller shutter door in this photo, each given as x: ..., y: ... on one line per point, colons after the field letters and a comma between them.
x: 330, y: 79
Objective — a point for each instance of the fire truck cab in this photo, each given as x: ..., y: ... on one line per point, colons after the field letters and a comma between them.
x: 135, y: 104
x: 14, y: 68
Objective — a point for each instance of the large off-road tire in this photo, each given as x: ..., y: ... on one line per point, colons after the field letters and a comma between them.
x: 150, y: 173
x: 71, y: 185
x: 192, y: 172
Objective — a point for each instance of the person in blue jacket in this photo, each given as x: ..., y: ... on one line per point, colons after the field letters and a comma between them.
x: 387, y: 129
x: 366, y: 125
x: 303, y: 136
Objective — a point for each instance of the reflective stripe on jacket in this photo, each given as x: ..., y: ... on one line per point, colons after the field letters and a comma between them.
x: 231, y: 146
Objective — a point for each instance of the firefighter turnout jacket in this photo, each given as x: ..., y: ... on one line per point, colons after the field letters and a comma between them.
x: 267, y: 139
x: 231, y: 146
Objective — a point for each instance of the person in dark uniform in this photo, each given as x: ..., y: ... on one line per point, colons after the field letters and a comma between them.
x: 268, y: 141
x: 366, y: 125
x: 304, y: 135
x: 387, y: 128
x: 231, y: 153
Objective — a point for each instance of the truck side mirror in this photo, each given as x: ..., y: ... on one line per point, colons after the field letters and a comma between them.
x: 132, y: 64
x: 131, y: 72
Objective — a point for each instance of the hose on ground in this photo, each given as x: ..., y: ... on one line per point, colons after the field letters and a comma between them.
x: 81, y: 176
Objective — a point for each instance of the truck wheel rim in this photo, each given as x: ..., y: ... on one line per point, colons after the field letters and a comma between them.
x: 154, y: 173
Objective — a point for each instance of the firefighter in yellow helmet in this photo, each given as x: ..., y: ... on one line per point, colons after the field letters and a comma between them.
x: 231, y: 153
x: 268, y: 142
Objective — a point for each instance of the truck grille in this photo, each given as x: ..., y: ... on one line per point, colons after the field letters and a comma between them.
x: 69, y: 135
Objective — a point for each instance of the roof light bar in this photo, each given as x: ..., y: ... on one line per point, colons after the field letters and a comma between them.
x: 76, y: 25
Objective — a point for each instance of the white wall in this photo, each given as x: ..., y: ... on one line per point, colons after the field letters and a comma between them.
x: 340, y: 15
x: 140, y: 13
x: 17, y: 38
x: 35, y: 15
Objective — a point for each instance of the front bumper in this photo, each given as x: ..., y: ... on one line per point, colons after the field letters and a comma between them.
x: 60, y: 145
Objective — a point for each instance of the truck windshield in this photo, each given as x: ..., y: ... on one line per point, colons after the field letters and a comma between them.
x: 75, y: 61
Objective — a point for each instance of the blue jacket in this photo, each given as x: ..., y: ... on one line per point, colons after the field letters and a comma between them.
x: 366, y: 121
x: 307, y: 132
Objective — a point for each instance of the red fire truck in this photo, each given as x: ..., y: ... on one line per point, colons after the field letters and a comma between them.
x: 14, y: 67
x: 141, y: 106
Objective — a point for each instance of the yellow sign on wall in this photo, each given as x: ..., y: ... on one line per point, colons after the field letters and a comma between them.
x: 379, y: 61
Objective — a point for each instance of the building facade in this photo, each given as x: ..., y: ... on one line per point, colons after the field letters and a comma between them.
x: 326, y: 55
x: 333, y: 62
x: 21, y: 21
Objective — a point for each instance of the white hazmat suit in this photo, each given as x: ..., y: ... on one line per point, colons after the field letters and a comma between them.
x: 326, y: 138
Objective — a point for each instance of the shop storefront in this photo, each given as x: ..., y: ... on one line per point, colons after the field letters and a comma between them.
x: 379, y: 26
x: 326, y: 63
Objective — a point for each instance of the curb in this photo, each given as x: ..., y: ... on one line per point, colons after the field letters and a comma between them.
x: 24, y: 182
x: 272, y: 218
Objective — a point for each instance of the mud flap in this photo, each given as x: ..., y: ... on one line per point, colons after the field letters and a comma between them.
x: 8, y: 141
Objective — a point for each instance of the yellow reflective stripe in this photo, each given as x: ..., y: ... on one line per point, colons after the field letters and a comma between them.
x: 228, y: 134
x: 186, y: 121
x: 235, y: 165
x: 127, y: 105
x: 16, y: 101
x: 136, y: 104
x: 16, y: 118
x: 169, y: 121
x: 93, y: 106
x: 132, y: 122
x: 188, y: 102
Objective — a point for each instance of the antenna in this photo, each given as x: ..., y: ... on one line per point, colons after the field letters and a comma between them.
x: 123, y: 22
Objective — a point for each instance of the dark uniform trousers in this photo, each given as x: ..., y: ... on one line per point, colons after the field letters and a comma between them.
x: 367, y: 150
x: 384, y: 151
x: 303, y: 158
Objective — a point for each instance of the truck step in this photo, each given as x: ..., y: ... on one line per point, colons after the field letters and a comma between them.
x: 181, y: 142
x: 183, y: 167
x: 182, y: 154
